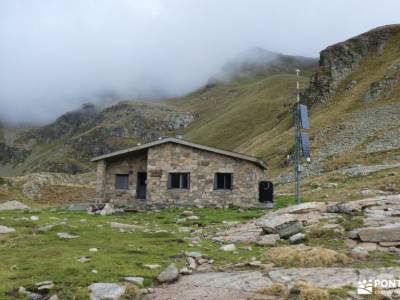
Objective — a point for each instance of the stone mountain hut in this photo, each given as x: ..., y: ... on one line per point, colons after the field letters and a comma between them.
x: 172, y: 172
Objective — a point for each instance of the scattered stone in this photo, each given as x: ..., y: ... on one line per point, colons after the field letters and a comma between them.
x: 191, y: 262
x: 386, y: 233
x: 125, y: 226
x: 46, y: 228
x: 268, y: 240
x: 34, y: 296
x: 359, y: 253
x: 285, y: 225
x: 13, y: 205
x: 93, y: 250
x: 193, y: 218
x: 180, y: 221
x: 185, y: 271
x: 228, y: 248
x: 34, y: 218
x: 255, y: 263
x: 298, y: 237
x: 340, y: 208
x: 5, y: 229
x: 187, y: 213
x: 329, y: 185
x: 135, y: 280
x: 152, y: 266
x: 107, y: 210
x: 83, y: 259
x: 170, y: 274
x: 64, y: 235
x: 194, y: 254
x: 45, y: 285
x: 94, y: 271
x: 106, y: 291
x: 202, y: 261
x: 184, y: 229
x: 54, y: 297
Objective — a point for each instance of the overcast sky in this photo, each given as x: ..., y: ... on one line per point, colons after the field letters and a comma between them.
x: 55, y: 55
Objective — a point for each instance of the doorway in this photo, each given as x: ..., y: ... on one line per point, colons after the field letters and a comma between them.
x: 266, y: 192
x: 141, y: 185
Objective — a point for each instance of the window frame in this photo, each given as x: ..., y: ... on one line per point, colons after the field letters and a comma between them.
x: 127, y: 181
x: 224, y: 188
x: 181, y: 181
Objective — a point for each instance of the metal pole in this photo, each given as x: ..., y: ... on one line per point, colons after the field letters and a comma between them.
x: 297, y: 137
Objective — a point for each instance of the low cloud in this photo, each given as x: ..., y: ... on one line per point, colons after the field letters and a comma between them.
x: 56, y: 55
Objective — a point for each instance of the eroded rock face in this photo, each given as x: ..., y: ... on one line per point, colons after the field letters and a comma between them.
x: 337, y: 61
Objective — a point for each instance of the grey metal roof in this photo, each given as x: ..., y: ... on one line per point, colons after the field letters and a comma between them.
x: 253, y: 159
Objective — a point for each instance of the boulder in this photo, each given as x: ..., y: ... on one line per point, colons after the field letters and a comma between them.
x: 135, y: 280
x: 296, y: 238
x: 387, y: 233
x: 5, y: 229
x: 368, y: 246
x: 106, y: 291
x: 285, y: 225
x: 13, y: 205
x: 170, y: 274
x: 268, y: 240
x: 340, y: 208
x: 228, y: 248
x: 193, y: 218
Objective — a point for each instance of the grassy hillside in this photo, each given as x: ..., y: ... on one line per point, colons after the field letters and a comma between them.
x: 232, y: 114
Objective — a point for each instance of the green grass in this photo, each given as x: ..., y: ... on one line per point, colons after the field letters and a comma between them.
x: 28, y: 256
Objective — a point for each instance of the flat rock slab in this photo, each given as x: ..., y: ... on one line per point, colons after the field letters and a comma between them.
x: 218, y: 286
x: 387, y: 233
x: 106, y: 291
x: 13, y: 205
x: 331, y: 277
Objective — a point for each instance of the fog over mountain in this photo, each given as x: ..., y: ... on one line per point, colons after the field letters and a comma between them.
x: 56, y: 55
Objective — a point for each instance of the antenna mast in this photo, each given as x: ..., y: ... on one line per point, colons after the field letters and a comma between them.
x: 297, y: 141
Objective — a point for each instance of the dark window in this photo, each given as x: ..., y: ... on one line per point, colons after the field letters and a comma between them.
x: 178, y: 180
x: 122, y: 181
x: 223, y: 181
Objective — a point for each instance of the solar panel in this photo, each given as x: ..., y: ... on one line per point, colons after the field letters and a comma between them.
x: 304, y: 117
x: 305, y: 144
